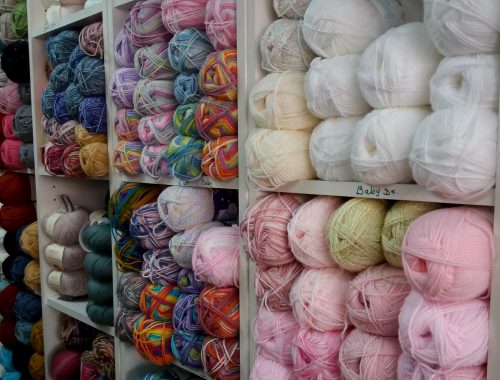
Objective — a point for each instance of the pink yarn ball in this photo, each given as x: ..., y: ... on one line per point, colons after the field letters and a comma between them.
x: 274, y: 332
x: 178, y: 15
x: 307, y: 232
x: 264, y: 229
x: 447, y: 254
x: 273, y: 284
x: 374, y: 299
x: 8, y: 126
x: 265, y: 369
x: 216, y: 256
x: 9, y: 153
x: 9, y: 98
x: 410, y: 369
x: 445, y: 334
x: 315, y: 354
x: 368, y: 356
x: 145, y: 26
x: 220, y: 23
x: 157, y: 129
x: 318, y: 298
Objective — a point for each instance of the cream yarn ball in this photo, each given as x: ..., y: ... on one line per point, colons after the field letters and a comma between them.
x: 461, y: 27
x: 278, y: 101
x: 332, y: 88
x: 382, y: 143
x: 291, y: 9
x: 282, y: 47
x: 396, y: 68
x: 454, y: 152
x: 470, y: 81
x: 276, y: 158
x: 330, y: 149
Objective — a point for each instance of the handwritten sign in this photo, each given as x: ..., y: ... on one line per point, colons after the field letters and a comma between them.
x: 205, y: 181
x: 48, y: 27
x: 374, y: 191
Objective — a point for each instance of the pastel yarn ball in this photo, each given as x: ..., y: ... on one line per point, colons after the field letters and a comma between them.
x: 153, y: 97
x: 157, y: 129
x: 69, y: 284
x: 307, y: 233
x: 124, y: 52
x: 158, y: 301
x: 145, y: 26
x: 92, y: 40
x: 220, y: 158
x: 447, y: 254
x: 219, y: 75
x: 64, y: 224
x: 184, y: 155
x: 216, y: 118
x: 453, y: 153
x: 129, y: 290
x: 291, y: 9
x: 126, y: 157
x: 126, y: 124
x: 187, y: 89
x: 154, y: 161
x: 318, y: 298
x: 265, y: 369
x: 188, y: 49
x: 153, y: 62
x: 152, y: 340
x: 122, y: 87
x: 186, y: 313
x: 220, y: 23
x: 65, y: 257
x: 10, y: 101
x: 178, y: 15
x: 159, y: 267
x: 219, y: 311
x: 445, y: 334
x: 147, y: 227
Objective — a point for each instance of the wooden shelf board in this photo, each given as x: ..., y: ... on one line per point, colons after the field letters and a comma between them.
x: 202, y: 182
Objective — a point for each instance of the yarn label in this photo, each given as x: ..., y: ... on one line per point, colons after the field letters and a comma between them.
x: 397, y: 11
x: 51, y: 222
x: 54, y: 254
x: 55, y: 280
x: 374, y: 192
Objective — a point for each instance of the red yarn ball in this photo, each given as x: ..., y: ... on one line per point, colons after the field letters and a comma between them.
x: 65, y: 365
x: 219, y: 311
x: 8, y: 297
x: 71, y: 162
x: 52, y: 155
x: 13, y: 217
x: 14, y: 188
x: 7, y: 336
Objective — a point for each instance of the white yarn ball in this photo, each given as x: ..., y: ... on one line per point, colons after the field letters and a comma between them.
x: 291, y: 9
x: 471, y: 80
x: 396, y: 68
x: 332, y: 88
x: 276, y: 158
x: 454, y: 152
x: 278, y: 101
x: 382, y: 143
x: 91, y: 3
x: 461, y: 27
x: 330, y: 149
x: 283, y: 48
x: 340, y: 27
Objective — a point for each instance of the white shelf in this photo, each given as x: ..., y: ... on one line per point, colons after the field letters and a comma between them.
x: 123, y: 3
x: 202, y: 182
x: 194, y: 371
x: 77, y: 310
x: 43, y: 172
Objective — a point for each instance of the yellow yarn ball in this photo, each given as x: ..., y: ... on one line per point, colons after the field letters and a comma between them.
x: 37, y: 366
x: 29, y: 240
x: 37, y: 336
x: 397, y: 221
x: 32, y: 276
x: 84, y: 138
x: 354, y: 234
x: 94, y: 159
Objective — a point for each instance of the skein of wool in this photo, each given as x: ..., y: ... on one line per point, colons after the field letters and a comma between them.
x: 94, y: 159
x: 158, y: 301
x: 153, y: 62
x: 186, y: 313
x: 60, y: 46
x: 146, y: 26
x: 14, y: 188
x: 52, y: 158
x: 32, y: 276
x: 291, y: 9
x: 363, y: 355
x: 74, y: 59
x: 220, y: 158
x: 65, y: 257
x: 89, y: 77
x: 37, y: 336
x: 282, y: 47
x: 19, y: 19
x: 66, y: 133
x: 479, y: 26
x: 307, y: 233
x: 184, y: 120
x: 354, y: 233
x: 98, y: 266
x: 265, y: 369
x: 7, y: 32
x: 126, y: 124
x: 213, y: 118
x: 219, y: 75
x: 154, y: 161
x: 219, y: 311
x: 188, y: 283
x: 332, y: 88
x: 9, y: 98
x: 65, y: 364
x: 61, y: 77
x: 152, y: 97
x: 7, y: 336
x: 23, y: 89
x: 277, y: 158
x: 318, y: 298
x: 71, y: 284
x: 27, y: 155
x: 221, y: 358
x: 147, y: 227
x: 124, y: 49
x: 126, y: 157
x: 71, y: 162
x: 8, y: 126
x: 48, y: 96
x: 178, y: 15
x: 220, y: 23
x: 278, y: 102
x: 15, y: 61
x: 469, y: 81
x: 13, y: 217
x: 429, y: 331
x: 429, y: 264
x: 129, y: 289
x: 382, y: 144
x: 92, y: 114
x: 61, y: 114
x: 83, y: 137
x: 188, y: 49
x: 100, y: 292
x: 396, y: 223
x: 92, y: 41
x: 186, y: 88
x: 159, y: 267
x: 456, y: 160
x: 187, y: 346
x: 156, y: 129
x: 122, y: 87
x: 96, y: 235
x: 152, y: 340
x: 28, y: 307
x: 388, y: 78
x: 17, y: 270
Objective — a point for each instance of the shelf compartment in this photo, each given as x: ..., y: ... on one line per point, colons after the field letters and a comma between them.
x: 170, y: 181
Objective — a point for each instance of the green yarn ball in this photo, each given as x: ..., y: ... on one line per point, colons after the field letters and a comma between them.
x: 184, y: 157
x: 19, y: 19
x: 100, y: 292
x: 97, y: 238
x: 184, y: 120
x: 102, y: 315
x: 98, y: 266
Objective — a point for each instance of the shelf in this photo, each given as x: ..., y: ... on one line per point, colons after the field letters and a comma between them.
x: 22, y: 171
x: 170, y: 181
x: 409, y: 192
x: 43, y: 172
x: 195, y: 371
x: 77, y: 19
x: 77, y: 310
x: 126, y: 4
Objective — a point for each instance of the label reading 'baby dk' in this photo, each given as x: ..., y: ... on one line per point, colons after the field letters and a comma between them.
x: 374, y: 192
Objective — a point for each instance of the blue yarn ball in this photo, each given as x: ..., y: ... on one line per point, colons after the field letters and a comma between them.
x: 61, y: 77
x: 89, y: 77
x: 61, y: 114
x: 93, y: 115
x: 188, y: 49
x: 74, y: 59
x: 12, y: 376
x: 28, y: 307
x: 60, y: 46
x: 17, y: 269
x: 165, y: 374
x: 48, y: 97
x: 23, y: 332
x: 72, y: 100
x: 184, y: 157
x: 186, y: 88
x: 6, y: 359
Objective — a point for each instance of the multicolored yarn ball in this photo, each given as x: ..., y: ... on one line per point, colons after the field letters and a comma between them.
x: 186, y: 88
x: 71, y: 162
x: 92, y: 114
x: 28, y: 307
x: 9, y: 154
x: 219, y: 311
x: 74, y: 59
x: 290, y: 9
x: 15, y: 61
x: 152, y: 340
x: 103, y: 348
x: 83, y: 137
x: 216, y: 118
x: 153, y: 97
x: 75, y: 334
x: 166, y: 374
x: 219, y: 75
x: 94, y: 159
x: 61, y: 77
x: 186, y: 313
x: 126, y: 124
x: 52, y: 158
x: 13, y: 217
x: 154, y: 161
x: 178, y: 15
x: 264, y: 229
x: 50, y: 127
x: 187, y: 346
x: 153, y: 62
x: 124, y: 49
x: 89, y: 77
x: 147, y: 227
x: 29, y: 240
x: 188, y: 283
x: 184, y: 120
x: 221, y: 358
x: 9, y: 98
x: 158, y: 301
x: 60, y: 46
x: 184, y: 157
x: 188, y: 49
x: 124, y: 323
x: 128, y: 255
x: 220, y: 23
x: 127, y: 157
x: 129, y: 290
x: 145, y: 26
x: 265, y: 369
x: 66, y: 133
x: 65, y: 364
x: 89, y: 370
x: 92, y: 41
x: 122, y: 87
x: 220, y: 158
x: 157, y: 129
x: 159, y: 267
x: 32, y: 276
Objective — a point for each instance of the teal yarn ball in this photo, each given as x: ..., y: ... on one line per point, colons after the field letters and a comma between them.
x: 101, y: 292
x: 102, y: 315
x: 23, y: 332
x: 188, y: 49
x: 89, y: 77
x: 98, y: 266
x: 184, y: 157
x: 48, y: 97
x: 74, y: 59
x: 60, y: 46
x: 27, y: 155
x: 72, y: 99
x: 61, y: 77
x: 184, y: 121
x: 97, y: 237
x: 186, y: 88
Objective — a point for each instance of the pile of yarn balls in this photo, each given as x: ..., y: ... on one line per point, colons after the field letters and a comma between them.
x: 74, y: 105
x: 176, y: 90
x: 180, y: 275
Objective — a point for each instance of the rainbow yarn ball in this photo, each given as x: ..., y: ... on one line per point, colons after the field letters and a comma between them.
x: 154, y: 161
x: 216, y: 118
x: 220, y: 158
x: 219, y: 311
x: 188, y: 49
x: 152, y: 340
x: 156, y: 129
x: 129, y: 290
x: 158, y: 301
x: 221, y: 358
x: 187, y: 346
x: 127, y: 157
x: 124, y: 49
x: 159, y: 267
x: 153, y: 97
x: 128, y: 255
x: 126, y: 124
x: 186, y: 88
x: 184, y: 157
x: 219, y: 75
x: 152, y: 62
x: 184, y: 120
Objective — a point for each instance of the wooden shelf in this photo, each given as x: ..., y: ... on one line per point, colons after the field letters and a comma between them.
x: 170, y: 181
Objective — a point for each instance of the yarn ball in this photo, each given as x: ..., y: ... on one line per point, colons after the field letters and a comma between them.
x: 463, y: 28
x: 124, y: 49
x: 9, y: 98
x: 124, y: 323
x: 122, y: 87
x: 221, y: 358
x: 66, y: 133
x: 23, y: 332
x: 219, y: 75
x: 153, y: 62
x: 14, y: 188
x: 16, y: 270
x: 147, y: 227
x: 19, y: 19
x: 11, y: 243
x: 8, y: 127
x: 60, y: 46
x: 184, y: 120
x: 220, y: 23
x: 91, y: 40
x: 158, y: 301
x: 32, y: 276
x: 89, y: 77
x: 126, y: 157
x: 129, y: 289
x: 315, y: 354
x: 71, y: 162
x: 100, y: 292
x: 277, y: 158
x: 265, y: 369
x: 152, y: 97
x: 159, y: 267
x: 96, y: 237
x: 126, y: 124
x: 28, y: 307
x: 100, y: 314
x: 219, y: 311
x: 13, y: 217
x: 7, y: 336
x: 103, y: 350
x: 382, y: 143
x: 83, y: 137
x: 52, y: 158
x: 23, y: 90
x: 94, y: 159
x: 274, y: 333
x: 184, y: 156
x: 99, y: 267
x: 466, y: 81
x: 60, y: 112
x: 363, y: 355
x: 307, y: 233
x: 178, y: 15
x: 291, y: 9
x: 9, y: 296
x: 152, y: 340
x: 92, y: 114
x: 51, y: 129
x: 65, y: 364
x: 154, y: 161
x: 283, y: 48
x: 186, y: 88
x: 146, y: 26
x: 157, y: 129
x: 332, y: 88
x: 75, y: 334
x: 165, y: 374
x: 37, y: 336
x: 27, y: 155
x: 61, y: 77
x: 65, y: 257
x: 128, y: 255
x: 354, y: 234
x: 70, y: 284
x: 15, y: 61
x: 37, y: 366
x: 74, y: 59
x: 388, y: 78
x: 434, y: 333
x: 186, y: 347
x: 214, y: 118
x: 4, y: 80
x: 64, y: 224
x: 188, y: 283
x: 456, y: 160
x: 21, y: 355
x: 185, y: 315
x: 48, y: 96
x: 220, y: 158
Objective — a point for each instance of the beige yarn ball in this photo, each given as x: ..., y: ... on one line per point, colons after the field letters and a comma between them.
x: 291, y: 9
x: 7, y: 32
